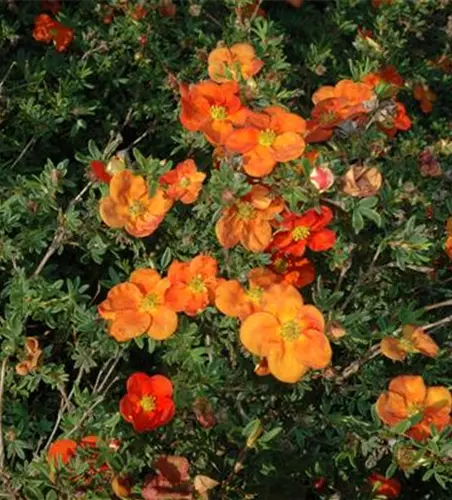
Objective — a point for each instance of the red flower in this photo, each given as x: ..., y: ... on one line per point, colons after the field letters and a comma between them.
x: 293, y: 270
x: 42, y: 29
x: 62, y: 37
x: 148, y: 403
x: 99, y: 170
x: 400, y: 121
x: 390, y: 488
x: 296, y: 232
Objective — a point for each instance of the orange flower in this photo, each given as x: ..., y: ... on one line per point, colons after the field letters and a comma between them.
x: 388, y: 75
x: 408, y: 396
x: 386, y: 487
x: 247, y: 221
x: 345, y: 101
x: 295, y: 271
x: 62, y: 37
x: 33, y: 353
x: 398, y: 120
x: 273, y: 136
x: 426, y: 97
x: 239, y: 61
x: 148, y: 403
x: 129, y: 205
x: 289, y: 334
x: 42, y: 29
x: 61, y: 451
x: 308, y: 230
x: 448, y: 245
x: 192, y: 284
x: 234, y: 300
x: 212, y: 108
x: 139, y: 306
x: 414, y: 339
x: 184, y: 182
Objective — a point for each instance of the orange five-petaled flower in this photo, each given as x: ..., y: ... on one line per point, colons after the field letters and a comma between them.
x: 270, y: 137
x: 296, y: 232
x: 183, y: 182
x: 247, y: 221
x: 289, y: 334
x: 414, y: 339
x: 129, y: 205
x: 234, y: 300
x: 213, y: 109
x: 230, y: 64
x: 139, y: 306
x: 148, y: 403
x: 192, y: 284
x: 408, y: 396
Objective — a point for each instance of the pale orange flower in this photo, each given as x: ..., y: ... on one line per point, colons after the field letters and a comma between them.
x: 408, y: 396
x: 355, y: 93
x: 183, y: 182
x: 234, y: 300
x: 129, y: 206
x: 272, y: 136
x: 425, y: 96
x: 233, y: 63
x: 192, y: 284
x: 361, y: 181
x: 139, y: 306
x: 414, y: 339
x: 289, y: 334
x: 247, y: 221
x: 33, y: 353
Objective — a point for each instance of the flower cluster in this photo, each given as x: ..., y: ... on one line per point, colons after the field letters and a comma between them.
x: 49, y: 30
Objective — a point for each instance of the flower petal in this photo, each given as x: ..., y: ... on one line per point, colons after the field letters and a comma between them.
x: 284, y: 365
x: 259, y: 333
x: 164, y: 323
x: 391, y: 408
x: 288, y: 146
x: 411, y: 387
x: 312, y: 349
x: 392, y: 349
x: 128, y: 325
x: 322, y: 240
x: 145, y: 279
x: 113, y: 214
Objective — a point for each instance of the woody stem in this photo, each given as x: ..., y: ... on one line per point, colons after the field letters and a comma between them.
x: 2, y: 388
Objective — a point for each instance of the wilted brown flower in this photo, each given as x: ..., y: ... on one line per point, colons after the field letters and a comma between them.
x: 171, y: 481
x: 33, y: 354
x: 361, y: 181
x: 429, y: 165
x: 335, y: 330
x: 204, y: 413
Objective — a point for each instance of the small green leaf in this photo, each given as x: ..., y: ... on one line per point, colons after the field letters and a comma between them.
x: 357, y: 221
x: 372, y: 215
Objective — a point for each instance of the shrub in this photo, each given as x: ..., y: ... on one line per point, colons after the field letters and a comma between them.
x: 225, y: 249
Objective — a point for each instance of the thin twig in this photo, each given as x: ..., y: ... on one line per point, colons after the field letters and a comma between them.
x: 24, y: 152
x: 107, y: 376
x: 2, y: 388
x: 444, y: 321
x: 445, y: 303
x: 14, y: 63
x: 60, y: 233
x: 91, y: 408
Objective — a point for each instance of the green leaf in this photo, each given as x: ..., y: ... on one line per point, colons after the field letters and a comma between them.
x: 357, y: 221
x: 268, y: 436
x: 370, y: 202
x: 372, y: 215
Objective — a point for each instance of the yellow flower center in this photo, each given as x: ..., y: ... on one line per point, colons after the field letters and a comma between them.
x: 136, y: 209
x: 148, y: 403
x: 267, y: 137
x: 414, y: 408
x: 184, y: 182
x: 290, y: 331
x: 197, y: 284
x: 327, y: 117
x: 301, y: 233
x: 245, y: 210
x: 254, y: 293
x: 150, y: 302
x: 218, y: 113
